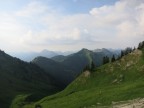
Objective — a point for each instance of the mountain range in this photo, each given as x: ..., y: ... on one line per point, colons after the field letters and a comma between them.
x: 66, y: 68
x: 29, y: 56
x: 119, y: 84
x: 42, y: 76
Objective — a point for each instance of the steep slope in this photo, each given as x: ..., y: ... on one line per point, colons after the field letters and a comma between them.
x: 18, y: 77
x: 117, y: 81
x: 60, y: 72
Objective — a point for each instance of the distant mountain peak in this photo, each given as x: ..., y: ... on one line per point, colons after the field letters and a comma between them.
x: 44, y: 50
x: 2, y: 52
x: 84, y: 50
x: 100, y: 50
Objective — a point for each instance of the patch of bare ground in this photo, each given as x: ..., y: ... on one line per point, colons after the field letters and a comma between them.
x: 87, y: 73
x: 136, y: 103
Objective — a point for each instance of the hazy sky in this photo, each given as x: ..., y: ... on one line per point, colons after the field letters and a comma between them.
x: 34, y: 25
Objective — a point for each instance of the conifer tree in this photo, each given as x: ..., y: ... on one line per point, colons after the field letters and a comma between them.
x: 92, y: 66
x: 141, y: 45
x: 122, y: 53
x: 134, y: 49
x: 105, y: 59
x: 113, y: 58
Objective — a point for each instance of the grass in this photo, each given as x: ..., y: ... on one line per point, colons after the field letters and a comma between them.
x: 118, y: 81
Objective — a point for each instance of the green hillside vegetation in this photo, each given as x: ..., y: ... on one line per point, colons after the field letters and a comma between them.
x: 117, y: 81
x: 66, y: 68
x: 62, y: 74
x: 18, y: 77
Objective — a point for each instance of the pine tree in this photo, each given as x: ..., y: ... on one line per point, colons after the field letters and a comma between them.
x: 134, y: 49
x: 122, y: 53
x: 141, y: 45
x: 104, y: 60
x: 107, y: 59
x: 92, y: 66
x: 113, y: 59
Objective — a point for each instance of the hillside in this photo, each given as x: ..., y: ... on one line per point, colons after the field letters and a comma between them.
x: 18, y: 77
x: 61, y: 73
x: 77, y: 61
x: 113, y: 82
x: 66, y: 68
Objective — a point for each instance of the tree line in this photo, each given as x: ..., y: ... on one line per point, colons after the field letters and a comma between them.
x: 124, y: 52
x: 141, y: 45
x: 107, y: 59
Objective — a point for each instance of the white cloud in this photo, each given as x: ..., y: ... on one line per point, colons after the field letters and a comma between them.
x: 124, y: 18
x: 38, y: 26
x: 34, y: 8
x: 10, y: 30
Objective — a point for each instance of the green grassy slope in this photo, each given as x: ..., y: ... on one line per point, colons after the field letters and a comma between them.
x: 117, y: 81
